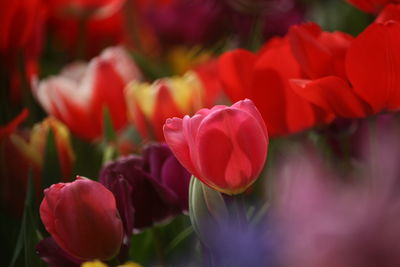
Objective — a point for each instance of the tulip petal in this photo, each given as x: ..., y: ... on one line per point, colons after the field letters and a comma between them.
x: 314, y: 58
x: 248, y: 105
x: 332, y: 94
x: 235, y: 70
x: 169, y: 173
x: 272, y: 72
x: 373, y: 66
x: 226, y: 138
x: 177, y: 141
x: 390, y: 12
x: 123, y: 192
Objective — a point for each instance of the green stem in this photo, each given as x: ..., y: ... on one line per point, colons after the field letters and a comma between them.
x: 158, y: 246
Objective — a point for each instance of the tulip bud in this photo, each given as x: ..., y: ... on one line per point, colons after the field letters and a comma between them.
x: 149, y: 105
x: 83, y: 219
x: 225, y: 147
x: 84, y: 90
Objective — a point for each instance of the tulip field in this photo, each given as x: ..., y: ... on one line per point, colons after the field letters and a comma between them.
x: 200, y: 133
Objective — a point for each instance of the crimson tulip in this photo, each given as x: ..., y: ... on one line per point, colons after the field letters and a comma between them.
x: 84, y: 90
x: 224, y: 147
x: 83, y: 219
x: 322, y: 57
x: 372, y: 6
x: 263, y: 77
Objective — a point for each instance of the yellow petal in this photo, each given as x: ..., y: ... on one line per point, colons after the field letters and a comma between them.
x: 93, y: 264
x: 130, y: 264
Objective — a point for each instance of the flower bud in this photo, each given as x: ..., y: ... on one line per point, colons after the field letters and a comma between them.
x: 225, y: 147
x: 83, y: 219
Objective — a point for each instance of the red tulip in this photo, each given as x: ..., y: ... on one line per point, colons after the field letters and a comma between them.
x: 263, y: 77
x: 79, y: 95
x: 363, y: 90
x: 322, y: 57
x: 372, y: 6
x: 224, y: 147
x: 83, y: 219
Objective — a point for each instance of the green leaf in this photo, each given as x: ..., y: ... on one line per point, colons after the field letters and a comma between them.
x: 29, y: 235
x: 51, y: 173
x: 179, y: 239
x: 108, y: 128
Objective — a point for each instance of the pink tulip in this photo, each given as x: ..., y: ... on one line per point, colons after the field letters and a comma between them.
x: 224, y: 147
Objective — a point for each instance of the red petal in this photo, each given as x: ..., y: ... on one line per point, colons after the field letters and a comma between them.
x: 232, y: 148
x: 332, y: 94
x: 373, y: 66
x: 235, y: 70
x: 177, y: 141
x: 314, y: 58
x: 390, y: 12
x: 12, y: 126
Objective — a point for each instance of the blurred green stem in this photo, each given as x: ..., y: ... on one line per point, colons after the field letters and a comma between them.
x: 158, y: 245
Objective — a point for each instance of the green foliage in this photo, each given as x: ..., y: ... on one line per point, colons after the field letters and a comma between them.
x: 29, y: 235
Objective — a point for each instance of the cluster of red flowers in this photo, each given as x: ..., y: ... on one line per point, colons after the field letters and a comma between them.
x: 305, y: 79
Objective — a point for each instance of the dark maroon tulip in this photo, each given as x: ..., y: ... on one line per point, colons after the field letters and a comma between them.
x: 83, y: 219
x: 156, y: 186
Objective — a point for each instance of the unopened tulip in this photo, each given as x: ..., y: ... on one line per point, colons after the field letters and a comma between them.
x: 224, y: 147
x: 81, y: 93
x: 149, y: 105
x: 83, y: 219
